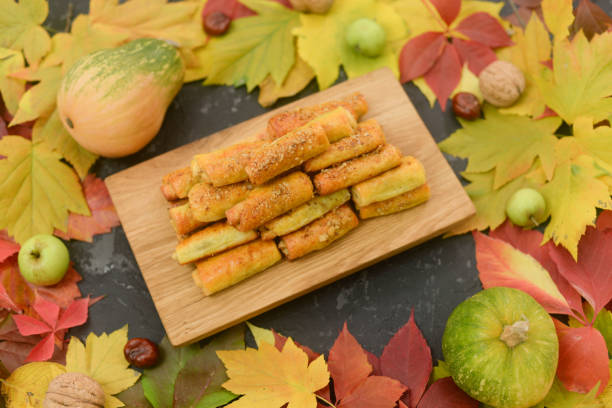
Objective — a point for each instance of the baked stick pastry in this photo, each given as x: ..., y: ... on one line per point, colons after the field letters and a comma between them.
x: 368, y: 136
x: 320, y: 233
x: 176, y: 185
x: 304, y: 214
x: 228, y: 268
x: 269, y: 201
x: 398, y: 203
x: 211, y: 240
x: 338, y: 123
x: 182, y: 220
x: 409, y: 175
x: 209, y: 203
x: 226, y: 166
x: 286, y: 152
x: 284, y: 122
x: 356, y: 170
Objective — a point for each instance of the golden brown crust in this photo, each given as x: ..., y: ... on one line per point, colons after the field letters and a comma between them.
x: 284, y: 122
x: 269, y: 201
x: 177, y: 184
x: 356, y: 170
x: 409, y: 175
x: 183, y: 221
x: 338, y: 123
x: 320, y: 233
x: 209, y: 203
x: 369, y: 136
x: 225, y: 166
x: 224, y: 270
x: 401, y: 202
x: 211, y: 240
x: 286, y: 152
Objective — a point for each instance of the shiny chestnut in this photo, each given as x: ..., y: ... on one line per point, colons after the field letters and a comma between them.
x: 466, y: 106
x: 141, y: 352
x: 216, y: 23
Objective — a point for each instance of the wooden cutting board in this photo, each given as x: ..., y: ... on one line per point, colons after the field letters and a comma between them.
x: 189, y: 316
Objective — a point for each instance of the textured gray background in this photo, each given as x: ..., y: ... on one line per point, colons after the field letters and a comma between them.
x: 431, y: 278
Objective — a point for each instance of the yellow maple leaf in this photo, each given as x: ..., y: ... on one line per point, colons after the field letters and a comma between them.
x: 261, y: 335
x: 595, y: 142
x: 20, y: 28
x: 573, y: 195
x: 254, y: 47
x: 531, y: 47
x: 39, y: 100
x: 12, y: 89
x: 36, y: 189
x: 54, y: 134
x: 27, y: 385
x: 559, y: 16
x: 102, y: 359
x: 581, y: 82
x: 321, y: 39
x: 300, y: 75
x: 150, y: 18
x: 270, y: 378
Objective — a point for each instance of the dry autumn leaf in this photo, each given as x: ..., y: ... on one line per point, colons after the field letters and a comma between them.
x: 270, y: 378
x: 20, y: 28
x: 318, y: 46
x: 29, y: 175
x: 102, y: 359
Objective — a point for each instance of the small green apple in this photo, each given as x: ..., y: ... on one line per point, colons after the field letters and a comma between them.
x: 526, y: 207
x: 366, y: 36
x: 43, y: 260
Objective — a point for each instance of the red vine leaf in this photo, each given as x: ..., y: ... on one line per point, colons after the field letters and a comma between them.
x: 583, y: 358
x: 485, y: 29
x: 348, y: 364
x: 604, y: 221
x: 420, y: 54
x: 590, y: 276
x: 448, y: 9
x: 374, y: 362
x: 445, y: 75
x: 407, y: 358
x: 233, y: 8
x: 591, y: 19
x: 478, y: 56
x: 8, y: 247
x: 445, y: 393
x: 374, y: 392
x: 103, y: 214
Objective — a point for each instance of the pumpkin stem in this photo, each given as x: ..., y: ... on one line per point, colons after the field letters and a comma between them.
x: 515, y: 334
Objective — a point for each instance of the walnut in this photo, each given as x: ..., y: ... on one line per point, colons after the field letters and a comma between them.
x: 501, y: 83
x: 312, y: 6
x: 74, y: 390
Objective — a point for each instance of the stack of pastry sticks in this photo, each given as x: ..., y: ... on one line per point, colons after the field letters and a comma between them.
x: 294, y: 187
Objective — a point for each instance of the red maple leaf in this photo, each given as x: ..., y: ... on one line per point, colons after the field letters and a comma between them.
x: 439, y: 55
x: 53, y: 321
x: 103, y: 214
x: 407, y: 358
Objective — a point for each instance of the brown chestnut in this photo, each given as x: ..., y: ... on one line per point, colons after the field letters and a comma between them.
x: 141, y: 352
x: 216, y: 23
x: 466, y: 106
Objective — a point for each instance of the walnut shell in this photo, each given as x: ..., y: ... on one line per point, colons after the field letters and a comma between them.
x: 312, y: 6
x: 74, y: 390
x: 501, y: 83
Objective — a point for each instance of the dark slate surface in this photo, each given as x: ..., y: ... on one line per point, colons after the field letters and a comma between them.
x: 431, y: 279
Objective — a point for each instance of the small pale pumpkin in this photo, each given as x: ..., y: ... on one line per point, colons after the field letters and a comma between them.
x: 113, y: 101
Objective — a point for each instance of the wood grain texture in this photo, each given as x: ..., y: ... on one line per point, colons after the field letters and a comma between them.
x: 189, y: 316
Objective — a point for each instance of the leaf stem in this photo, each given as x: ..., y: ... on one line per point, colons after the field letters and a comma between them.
x: 435, y: 15
x: 325, y: 401
x: 516, y: 13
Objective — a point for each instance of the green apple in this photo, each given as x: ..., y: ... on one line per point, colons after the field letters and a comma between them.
x: 526, y: 207
x: 366, y: 36
x: 43, y: 260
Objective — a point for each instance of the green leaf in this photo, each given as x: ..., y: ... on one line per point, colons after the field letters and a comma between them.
x: 20, y: 28
x: 321, y: 39
x: 191, y: 376
x: 134, y: 397
x: 254, y: 47
x: 12, y: 89
x: 52, y: 131
x: 440, y: 371
x: 36, y: 189
x: 507, y: 143
x: 560, y: 397
x: 261, y: 335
